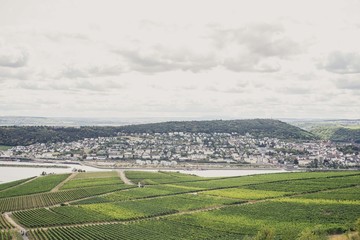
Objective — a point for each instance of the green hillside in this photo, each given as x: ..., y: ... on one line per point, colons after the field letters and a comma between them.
x: 256, y: 127
x: 26, y: 135
x: 338, y: 134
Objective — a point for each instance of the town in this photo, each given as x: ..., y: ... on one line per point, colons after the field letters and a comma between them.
x: 177, y: 149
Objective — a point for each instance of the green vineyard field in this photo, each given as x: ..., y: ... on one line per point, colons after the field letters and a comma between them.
x: 171, y: 205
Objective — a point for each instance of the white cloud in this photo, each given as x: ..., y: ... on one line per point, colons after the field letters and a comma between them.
x: 342, y: 62
x: 13, y: 57
x: 180, y: 58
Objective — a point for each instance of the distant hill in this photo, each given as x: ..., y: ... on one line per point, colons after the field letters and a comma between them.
x: 256, y: 127
x: 338, y: 134
x: 26, y: 135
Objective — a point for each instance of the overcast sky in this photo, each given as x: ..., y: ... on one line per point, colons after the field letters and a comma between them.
x: 186, y: 58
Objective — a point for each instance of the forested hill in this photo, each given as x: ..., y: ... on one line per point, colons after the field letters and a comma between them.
x: 338, y: 134
x: 26, y: 135
x: 256, y: 127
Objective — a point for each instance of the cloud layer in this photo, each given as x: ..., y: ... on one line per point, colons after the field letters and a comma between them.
x: 184, y: 58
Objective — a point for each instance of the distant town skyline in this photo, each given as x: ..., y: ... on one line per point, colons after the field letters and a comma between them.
x: 180, y: 59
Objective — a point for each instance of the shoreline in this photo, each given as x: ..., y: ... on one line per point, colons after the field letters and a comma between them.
x: 32, y: 166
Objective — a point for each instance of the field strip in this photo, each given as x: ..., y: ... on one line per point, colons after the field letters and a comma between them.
x: 199, y: 191
x: 124, y: 178
x: 20, y: 184
x: 7, y: 216
x: 145, y: 218
x: 55, y: 189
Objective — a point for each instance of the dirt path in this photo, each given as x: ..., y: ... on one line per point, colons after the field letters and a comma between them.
x: 20, y: 229
x: 124, y: 178
x: 55, y: 189
x: 343, y: 236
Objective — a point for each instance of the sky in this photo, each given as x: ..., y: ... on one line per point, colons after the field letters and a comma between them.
x: 211, y: 59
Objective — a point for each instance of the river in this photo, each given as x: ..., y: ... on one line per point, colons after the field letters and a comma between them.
x: 8, y: 174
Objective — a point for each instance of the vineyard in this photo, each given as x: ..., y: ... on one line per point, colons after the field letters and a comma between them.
x: 12, y: 184
x: 172, y: 205
x: 9, y: 235
x: 153, y: 178
x: 38, y: 185
x: 4, y: 224
x: 116, y: 211
x: 82, y: 180
x: 53, y: 198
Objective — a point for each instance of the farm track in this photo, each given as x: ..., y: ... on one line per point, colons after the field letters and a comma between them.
x: 18, y: 227
x: 123, y: 177
x: 55, y: 189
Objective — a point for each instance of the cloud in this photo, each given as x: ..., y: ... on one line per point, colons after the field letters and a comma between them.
x: 342, y: 62
x: 162, y: 59
x: 296, y: 90
x: 76, y: 71
x: 13, y: 57
x: 257, y: 47
x: 350, y: 83
x: 14, y: 73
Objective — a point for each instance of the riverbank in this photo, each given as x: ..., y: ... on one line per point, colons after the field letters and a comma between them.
x: 32, y: 166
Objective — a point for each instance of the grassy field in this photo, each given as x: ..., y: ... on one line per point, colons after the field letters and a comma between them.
x: 178, y: 206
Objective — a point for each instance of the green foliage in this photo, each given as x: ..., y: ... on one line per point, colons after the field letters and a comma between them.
x: 349, y: 149
x: 352, y: 193
x: 280, y: 179
x: 52, y: 198
x: 245, y: 194
x: 309, y: 234
x: 152, y: 178
x: 4, y: 224
x: 150, y: 230
x: 150, y: 191
x: 38, y: 185
x: 93, y: 179
x: 14, y: 183
x: 9, y: 234
x: 115, y: 211
x: 92, y: 175
x: 338, y: 134
x: 265, y: 234
x: 208, y: 209
x: 309, y: 185
x: 57, y: 216
x: 256, y: 127
x: 26, y: 135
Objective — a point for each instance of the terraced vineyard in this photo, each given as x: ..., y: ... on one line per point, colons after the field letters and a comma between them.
x: 4, y: 224
x: 92, y: 179
x: 53, y: 198
x: 152, y: 178
x: 177, y: 206
x: 38, y: 185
